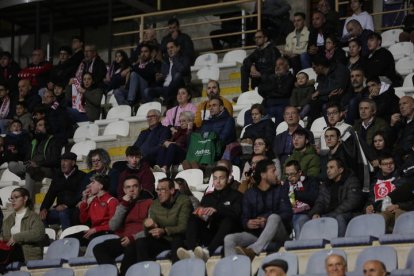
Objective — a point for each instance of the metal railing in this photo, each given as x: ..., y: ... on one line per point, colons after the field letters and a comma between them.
x: 192, y: 12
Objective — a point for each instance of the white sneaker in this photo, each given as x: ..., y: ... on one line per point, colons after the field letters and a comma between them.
x: 201, y: 253
x: 184, y: 254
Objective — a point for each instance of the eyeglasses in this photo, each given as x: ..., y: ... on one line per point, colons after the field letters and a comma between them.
x: 333, y: 113
x: 11, y: 199
x: 96, y: 160
x: 291, y: 174
x: 160, y: 190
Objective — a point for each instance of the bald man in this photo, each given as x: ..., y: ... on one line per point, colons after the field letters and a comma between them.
x: 402, y: 126
x: 374, y: 268
x: 335, y: 265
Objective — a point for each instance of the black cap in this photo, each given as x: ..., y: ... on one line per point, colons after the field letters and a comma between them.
x: 69, y: 156
x: 277, y: 262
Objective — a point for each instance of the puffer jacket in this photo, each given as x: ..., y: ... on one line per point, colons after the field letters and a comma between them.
x: 309, y: 161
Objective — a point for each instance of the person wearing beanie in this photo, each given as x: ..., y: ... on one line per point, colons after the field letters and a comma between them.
x: 275, y: 267
x: 97, y: 207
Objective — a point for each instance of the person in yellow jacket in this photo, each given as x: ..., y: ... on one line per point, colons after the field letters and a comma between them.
x: 213, y: 89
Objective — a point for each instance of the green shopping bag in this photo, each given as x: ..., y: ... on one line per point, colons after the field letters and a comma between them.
x: 204, y: 148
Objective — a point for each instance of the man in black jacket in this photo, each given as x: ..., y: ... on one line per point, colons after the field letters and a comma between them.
x: 218, y: 215
x: 65, y: 189
x: 181, y: 39
x: 402, y: 126
x: 266, y: 214
x: 339, y: 197
x: 276, y: 88
x: 260, y: 62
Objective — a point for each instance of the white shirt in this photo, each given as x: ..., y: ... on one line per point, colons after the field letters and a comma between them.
x: 16, y: 228
x: 364, y: 18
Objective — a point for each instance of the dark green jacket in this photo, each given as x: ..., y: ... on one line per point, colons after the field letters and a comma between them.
x: 309, y: 161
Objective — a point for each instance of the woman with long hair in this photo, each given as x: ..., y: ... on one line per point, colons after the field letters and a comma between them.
x: 23, y: 230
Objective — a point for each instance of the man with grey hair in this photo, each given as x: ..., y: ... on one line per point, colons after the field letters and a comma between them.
x: 369, y: 124
x: 335, y: 265
x: 94, y: 64
x: 150, y: 139
x: 374, y: 268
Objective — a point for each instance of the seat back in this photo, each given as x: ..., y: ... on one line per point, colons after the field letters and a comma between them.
x: 310, y: 72
x: 316, y: 262
x: 83, y: 148
x: 120, y: 128
x: 383, y: 253
x: 86, y: 131
x: 98, y: 240
x: 194, y: 177
x: 5, y: 194
x: 410, y: 260
x: 321, y: 228
x: 144, y: 268
x: 103, y: 269
x: 366, y: 225
x: 233, y: 265
x: 61, y: 271
x: 236, y: 173
x: 401, y: 49
x: 193, y: 267
x: 408, y: 80
x: 318, y: 126
x: 240, y: 116
x: 51, y: 233
x: 9, y: 176
x: 404, y: 224
x: 206, y: 59
x: 391, y: 36
x: 65, y: 249
x: 144, y: 108
x: 158, y: 176
x: 17, y: 273
x: 119, y: 112
x: 249, y: 98
x: 234, y: 56
x: 290, y: 258
x: 73, y: 230
x: 405, y: 65
x: 208, y: 73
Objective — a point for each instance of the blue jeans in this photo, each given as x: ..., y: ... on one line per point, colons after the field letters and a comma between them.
x: 61, y: 217
x: 76, y: 116
x: 298, y: 221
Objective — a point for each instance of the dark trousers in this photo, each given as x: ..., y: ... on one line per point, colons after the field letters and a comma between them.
x: 7, y: 257
x: 211, y: 234
x: 146, y: 249
x: 60, y: 217
x: 245, y: 77
x: 169, y: 93
x: 170, y: 156
x: 107, y: 251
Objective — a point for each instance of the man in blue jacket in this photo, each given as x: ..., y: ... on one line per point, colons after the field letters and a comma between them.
x: 150, y: 139
x: 266, y: 214
x: 220, y: 122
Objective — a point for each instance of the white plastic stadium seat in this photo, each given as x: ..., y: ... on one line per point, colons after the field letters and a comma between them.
x: 85, y: 132
x: 401, y: 49
x: 142, y: 112
x: 73, y: 230
x: 203, y: 60
x: 112, y: 131
x: 407, y: 88
x: 82, y: 149
x: 194, y: 177
x: 240, y: 116
x: 158, y: 176
x: 311, y: 73
x: 231, y: 58
x: 5, y: 194
x: 208, y: 73
x: 405, y: 65
x: 114, y: 114
x: 8, y: 179
x: 247, y: 99
x: 390, y: 37
x: 317, y: 127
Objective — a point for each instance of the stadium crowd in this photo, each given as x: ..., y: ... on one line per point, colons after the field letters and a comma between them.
x: 361, y: 163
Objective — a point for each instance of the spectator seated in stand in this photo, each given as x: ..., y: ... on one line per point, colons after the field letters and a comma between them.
x: 357, y: 33
x: 333, y: 50
x: 302, y: 93
x: 261, y: 61
x: 65, y: 189
x: 335, y: 265
x: 16, y: 142
x: 97, y: 207
x: 57, y: 116
x: 247, y: 180
x: 64, y: 69
x: 28, y: 95
x: 138, y: 168
x: 402, y: 127
x: 23, y: 116
x: 173, y: 151
x: 5, y: 108
x: 8, y: 72
x: 37, y: 72
x: 339, y: 197
x: 116, y: 76
x: 86, y: 107
x: 172, y: 115
x: 127, y: 222
x: 180, y: 39
x: 266, y: 214
x: 218, y: 215
x: 363, y: 17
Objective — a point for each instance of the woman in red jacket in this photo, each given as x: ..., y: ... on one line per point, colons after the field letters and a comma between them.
x: 97, y: 207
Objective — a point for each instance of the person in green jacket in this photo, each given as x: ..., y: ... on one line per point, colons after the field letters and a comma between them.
x: 304, y: 153
x: 164, y: 228
x: 23, y: 230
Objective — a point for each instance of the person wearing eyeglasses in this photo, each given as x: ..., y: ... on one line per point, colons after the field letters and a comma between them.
x: 165, y: 226
x: 150, y: 139
x: 23, y: 229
